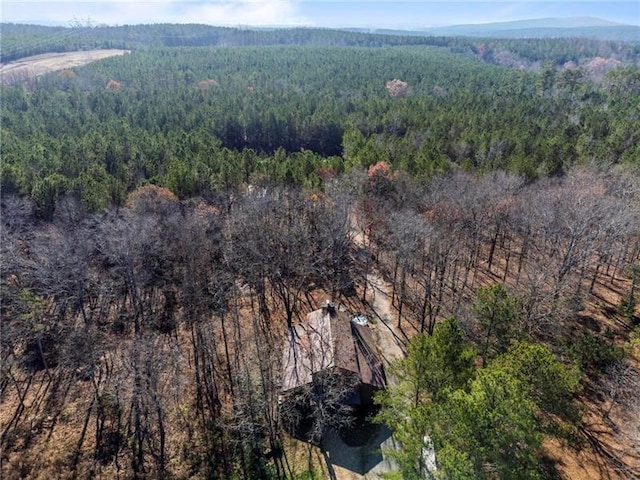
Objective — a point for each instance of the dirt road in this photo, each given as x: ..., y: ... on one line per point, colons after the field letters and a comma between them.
x: 369, y: 461
x: 31, y: 67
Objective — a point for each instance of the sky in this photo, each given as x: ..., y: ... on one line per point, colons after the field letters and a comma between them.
x: 313, y: 13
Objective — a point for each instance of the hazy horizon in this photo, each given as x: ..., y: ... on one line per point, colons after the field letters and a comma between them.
x: 311, y: 13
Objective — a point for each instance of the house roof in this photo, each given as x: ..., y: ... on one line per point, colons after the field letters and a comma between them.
x: 328, y: 339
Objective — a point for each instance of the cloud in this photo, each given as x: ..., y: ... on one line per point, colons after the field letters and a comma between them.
x: 239, y: 12
x: 244, y: 13
x: 379, y: 13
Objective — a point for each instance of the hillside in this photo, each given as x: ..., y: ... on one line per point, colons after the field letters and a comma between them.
x: 168, y: 215
x: 19, y: 41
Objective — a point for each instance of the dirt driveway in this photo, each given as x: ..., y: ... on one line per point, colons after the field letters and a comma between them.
x: 369, y: 460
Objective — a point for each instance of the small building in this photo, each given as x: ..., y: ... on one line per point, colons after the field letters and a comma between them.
x: 330, y: 340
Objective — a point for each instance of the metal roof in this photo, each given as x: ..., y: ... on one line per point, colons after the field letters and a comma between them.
x: 326, y: 340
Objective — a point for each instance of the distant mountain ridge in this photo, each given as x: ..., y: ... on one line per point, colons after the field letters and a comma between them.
x: 543, y: 28
x: 549, y: 22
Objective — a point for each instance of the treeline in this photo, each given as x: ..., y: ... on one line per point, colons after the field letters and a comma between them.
x: 20, y: 41
x: 160, y: 324
x: 198, y: 120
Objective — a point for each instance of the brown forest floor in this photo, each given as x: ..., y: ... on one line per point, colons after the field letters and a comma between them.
x: 616, y: 428
x: 52, y: 438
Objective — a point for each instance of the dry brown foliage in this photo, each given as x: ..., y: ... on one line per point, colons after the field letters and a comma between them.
x: 378, y: 169
x: 150, y: 198
x: 68, y: 74
x: 397, y: 88
x: 207, y: 83
x: 203, y: 209
x: 113, y: 85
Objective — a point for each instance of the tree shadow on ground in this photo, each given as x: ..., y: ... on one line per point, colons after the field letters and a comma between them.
x: 356, y: 448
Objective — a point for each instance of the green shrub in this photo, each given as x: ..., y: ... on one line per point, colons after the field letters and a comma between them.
x: 593, y: 352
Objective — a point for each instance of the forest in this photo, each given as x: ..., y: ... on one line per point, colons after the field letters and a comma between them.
x: 20, y: 41
x: 168, y: 214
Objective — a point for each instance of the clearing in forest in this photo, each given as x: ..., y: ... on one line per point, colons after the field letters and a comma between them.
x: 31, y: 67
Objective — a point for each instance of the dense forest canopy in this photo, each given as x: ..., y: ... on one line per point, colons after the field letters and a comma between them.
x: 24, y: 40
x: 20, y: 41
x: 194, y: 119
x: 168, y: 213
